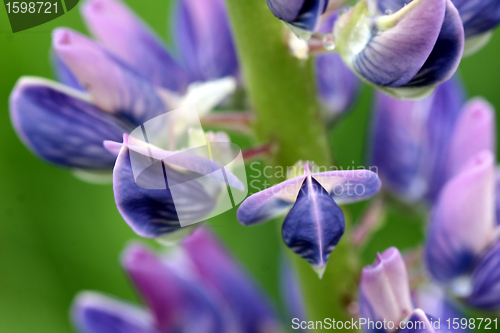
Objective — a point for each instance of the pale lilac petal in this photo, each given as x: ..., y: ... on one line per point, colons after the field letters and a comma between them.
x: 222, y: 274
x: 314, y: 225
x: 486, y: 281
x: 270, y: 202
x: 177, y: 302
x: 204, y: 39
x: 474, y: 132
x: 462, y: 223
x: 123, y: 33
x: 96, y: 313
x: 349, y: 186
x: 114, y: 87
x: 385, y: 288
x: 60, y: 125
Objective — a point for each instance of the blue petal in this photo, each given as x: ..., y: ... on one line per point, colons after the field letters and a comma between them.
x: 478, y: 16
x: 411, y: 140
x: 127, y: 37
x: 349, y: 186
x: 486, y: 281
x: 204, y: 39
x: 447, y: 53
x: 178, y: 302
x: 152, y: 212
x: 95, y: 313
x: 222, y: 274
x: 314, y: 225
x: 286, y: 10
x: 61, y: 126
x: 392, y: 57
x: 462, y: 223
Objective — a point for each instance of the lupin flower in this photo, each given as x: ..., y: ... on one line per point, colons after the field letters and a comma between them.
x: 419, y: 145
x: 302, y: 16
x: 314, y: 222
x: 407, y: 53
x: 385, y: 290
x: 462, y: 224
x: 106, y: 94
x: 479, y: 18
x: 193, y: 291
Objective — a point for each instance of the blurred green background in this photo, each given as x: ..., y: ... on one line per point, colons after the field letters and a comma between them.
x: 59, y: 235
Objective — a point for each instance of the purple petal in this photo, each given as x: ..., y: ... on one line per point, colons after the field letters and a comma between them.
x: 113, y: 86
x: 303, y: 14
x: 497, y: 195
x: 177, y: 303
x: 204, y: 39
x: 63, y: 73
x: 153, y: 212
x: 269, y: 203
x: 411, y: 139
x: 418, y: 323
x: 474, y: 132
x: 393, y: 56
x: 349, y: 186
x: 486, y: 281
x: 462, y: 222
x: 222, y: 274
x: 95, y: 313
x: 314, y: 225
x: 123, y: 33
x: 447, y: 53
x: 385, y: 288
x: 60, y: 125
x: 478, y: 16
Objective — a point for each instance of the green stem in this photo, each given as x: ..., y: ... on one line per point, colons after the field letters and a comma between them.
x: 282, y: 90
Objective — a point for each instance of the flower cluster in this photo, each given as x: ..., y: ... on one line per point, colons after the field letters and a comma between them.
x: 127, y: 109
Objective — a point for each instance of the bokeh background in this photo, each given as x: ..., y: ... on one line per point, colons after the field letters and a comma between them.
x: 59, y: 235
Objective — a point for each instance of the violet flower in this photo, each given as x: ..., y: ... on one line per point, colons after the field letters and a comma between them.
x: 417, y: 146
x: 406, y: 54
x: 108, y: 90
x: 386, y: 299
x: 314, y: 222
x: 201, y: 289
x: 461, y: 252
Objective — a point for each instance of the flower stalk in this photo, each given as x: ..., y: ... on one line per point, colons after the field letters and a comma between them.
x: 282, y: 90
